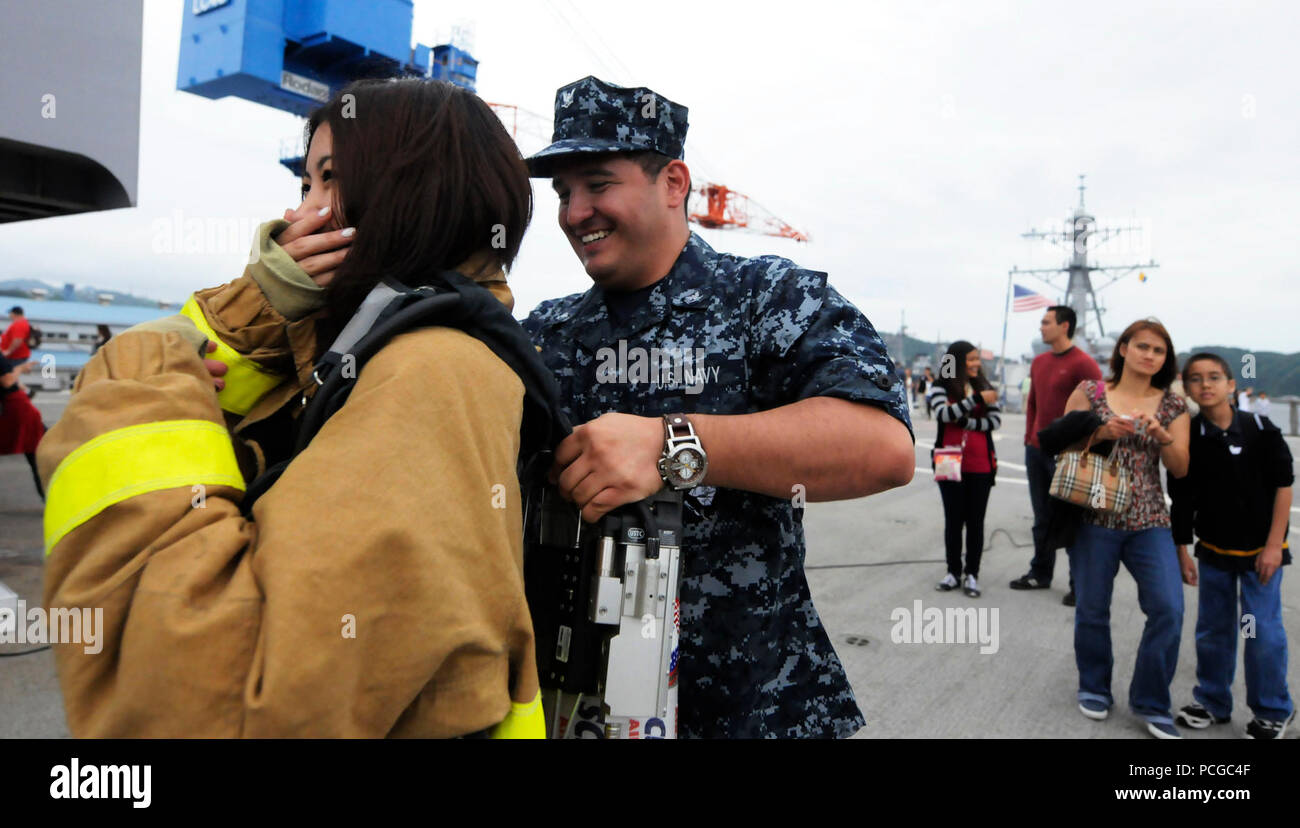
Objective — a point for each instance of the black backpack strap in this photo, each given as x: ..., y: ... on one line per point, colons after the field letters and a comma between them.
x: 337, y: 371
x: 260, y: 485
x: 482, y: 316
x: 452, y: 301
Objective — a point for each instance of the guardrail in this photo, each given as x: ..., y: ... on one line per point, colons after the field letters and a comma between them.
x: 1285, y: 414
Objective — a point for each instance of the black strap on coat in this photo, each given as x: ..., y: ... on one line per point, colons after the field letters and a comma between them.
x: 452, y: 301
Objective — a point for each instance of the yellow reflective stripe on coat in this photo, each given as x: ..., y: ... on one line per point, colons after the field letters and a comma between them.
x: 131, y: 461
x: 246, y: 381
x: 524, y: 721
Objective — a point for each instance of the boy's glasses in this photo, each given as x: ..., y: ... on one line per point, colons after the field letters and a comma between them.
x: 1212, y: 379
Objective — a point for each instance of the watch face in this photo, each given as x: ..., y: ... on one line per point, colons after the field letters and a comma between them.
x: 686, y: 465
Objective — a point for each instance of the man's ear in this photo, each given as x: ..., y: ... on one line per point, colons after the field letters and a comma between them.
x: 676, y: 177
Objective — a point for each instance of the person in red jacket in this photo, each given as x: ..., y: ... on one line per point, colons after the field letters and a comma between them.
x: 13, y: 342
x: 21, y: 428
x: 1052, y: 376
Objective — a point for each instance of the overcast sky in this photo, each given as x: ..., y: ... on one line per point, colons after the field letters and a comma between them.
x: 914, y: 141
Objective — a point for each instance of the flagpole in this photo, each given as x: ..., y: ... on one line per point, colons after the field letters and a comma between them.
x: 1006, y: 311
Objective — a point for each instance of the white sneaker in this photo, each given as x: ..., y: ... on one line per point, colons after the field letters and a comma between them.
x: 970, y: 587
x: 947, y: 583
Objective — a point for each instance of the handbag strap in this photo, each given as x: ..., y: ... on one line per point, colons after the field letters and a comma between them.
x: 1112, y: 461
x: 1096, y: 397
x: 1088, y: 445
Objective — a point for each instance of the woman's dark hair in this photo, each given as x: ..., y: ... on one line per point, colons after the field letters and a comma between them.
x: 428, y: 175
x: 955, y: 385
x: 1162, y: 378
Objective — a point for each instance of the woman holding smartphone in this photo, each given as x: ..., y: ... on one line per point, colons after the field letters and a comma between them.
x: 1149, y: 426
x: 376, y: 588
x: 965, y: 406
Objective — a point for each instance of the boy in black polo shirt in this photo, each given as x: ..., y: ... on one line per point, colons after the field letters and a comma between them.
x: 1237, y: 496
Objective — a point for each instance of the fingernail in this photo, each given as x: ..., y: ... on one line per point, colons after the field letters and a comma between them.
x: 348, y: 231
x: 323, y: 210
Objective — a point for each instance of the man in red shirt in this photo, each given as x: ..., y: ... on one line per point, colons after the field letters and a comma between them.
x: 1052, y: 377
x: 13, y: 342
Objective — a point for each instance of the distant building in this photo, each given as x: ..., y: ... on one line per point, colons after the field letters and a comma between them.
x: 69, y: 331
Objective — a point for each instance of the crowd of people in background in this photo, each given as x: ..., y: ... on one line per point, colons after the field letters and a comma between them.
x: 1229, y: 475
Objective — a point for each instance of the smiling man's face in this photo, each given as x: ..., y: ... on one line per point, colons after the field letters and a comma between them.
x: 616, y: 219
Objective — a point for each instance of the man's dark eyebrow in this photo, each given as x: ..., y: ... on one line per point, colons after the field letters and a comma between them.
x: 321, y: 162
x: 592, y: 172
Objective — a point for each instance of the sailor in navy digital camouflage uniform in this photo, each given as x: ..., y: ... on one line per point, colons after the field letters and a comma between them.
x: 787, y: 387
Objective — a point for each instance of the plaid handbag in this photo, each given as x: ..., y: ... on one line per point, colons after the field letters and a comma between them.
x: 1092, y: 481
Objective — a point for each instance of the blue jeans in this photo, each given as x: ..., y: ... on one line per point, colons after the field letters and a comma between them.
x: 1216, y: 643
x: 1039, y: 467
x: 1150, y: 557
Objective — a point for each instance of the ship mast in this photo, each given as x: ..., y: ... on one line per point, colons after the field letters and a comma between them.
x: 1081, y: 233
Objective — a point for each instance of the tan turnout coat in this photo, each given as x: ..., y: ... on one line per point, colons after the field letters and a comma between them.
x: 377, y: 589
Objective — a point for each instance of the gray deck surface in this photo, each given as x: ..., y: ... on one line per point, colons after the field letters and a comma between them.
x: 865, y: 559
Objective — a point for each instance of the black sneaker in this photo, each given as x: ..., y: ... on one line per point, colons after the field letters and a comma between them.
x: 1030, y: 581
x: 1068, y: 600
x: 1265, y: 729
x: 1198, y: 718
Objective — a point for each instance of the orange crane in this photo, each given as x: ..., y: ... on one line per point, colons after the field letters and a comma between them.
x: 725, y: 208
x: 728, y: 209
x: 516, y: 118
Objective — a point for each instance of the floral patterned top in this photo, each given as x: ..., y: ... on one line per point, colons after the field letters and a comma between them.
x: 1140, y: 454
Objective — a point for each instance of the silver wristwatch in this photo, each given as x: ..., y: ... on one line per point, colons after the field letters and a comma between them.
x: 684, y: 462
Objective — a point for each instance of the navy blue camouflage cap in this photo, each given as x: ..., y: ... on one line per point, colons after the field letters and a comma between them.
x: 594, y: 116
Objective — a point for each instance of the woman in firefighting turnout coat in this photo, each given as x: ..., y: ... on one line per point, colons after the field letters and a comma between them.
x: 377, y: 588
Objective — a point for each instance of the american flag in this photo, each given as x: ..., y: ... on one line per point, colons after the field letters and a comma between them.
x: 1026, y: 300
